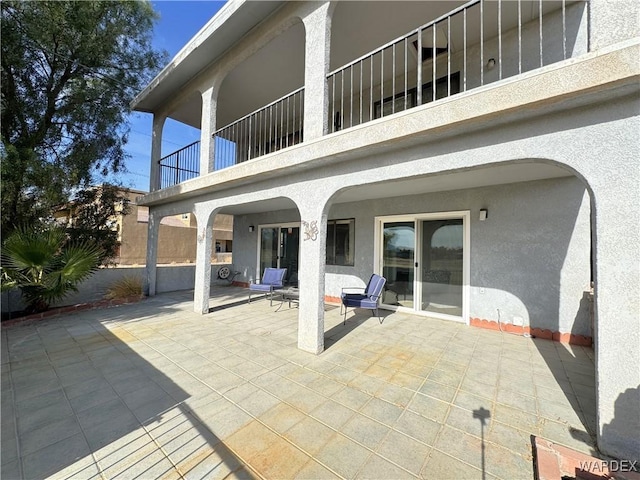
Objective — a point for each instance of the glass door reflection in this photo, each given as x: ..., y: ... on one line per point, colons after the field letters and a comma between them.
x: 268, y: 248
x: 279, y: 248
x: 442, y: 266
x: 289, y: 246
x: 398, y: 262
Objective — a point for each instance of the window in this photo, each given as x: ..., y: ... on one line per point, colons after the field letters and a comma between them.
x: 340, y: 242
x: 397, y: 103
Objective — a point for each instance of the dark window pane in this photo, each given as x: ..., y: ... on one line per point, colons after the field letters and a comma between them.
x: 331, y: 256
x: 344, y: 239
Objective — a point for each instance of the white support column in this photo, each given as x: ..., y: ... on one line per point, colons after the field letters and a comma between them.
x: 156, y: 151
x: 617, y: 306
x: 207, y: 127
x: 204, y: 238
x: 317, y: 25
x: 313, y: 245
x: 153, y: 228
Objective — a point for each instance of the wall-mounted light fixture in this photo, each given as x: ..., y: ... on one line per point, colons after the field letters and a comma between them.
x: 484, y: 213
x: 251, y: 228
x: 491, y: 64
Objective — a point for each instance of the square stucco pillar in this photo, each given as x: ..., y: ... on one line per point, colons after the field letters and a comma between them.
x: 617, y: 324
x: 153, y: 228
x: 207, y: 127
x: 202, y: 284
x: 156, y: 151
x: 317, y: 49
x: 313, y: 244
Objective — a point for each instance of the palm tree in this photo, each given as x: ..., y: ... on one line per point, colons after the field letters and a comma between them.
x: 44, y: 266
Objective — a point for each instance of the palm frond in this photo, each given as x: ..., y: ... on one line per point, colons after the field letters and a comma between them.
x: 43, y: 267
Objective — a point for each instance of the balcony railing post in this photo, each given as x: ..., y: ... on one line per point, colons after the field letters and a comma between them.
x: 419, y: 79
x: 481, y: 39
x: 263, y: 131
x: 177, y: 171
x: 180, y: 165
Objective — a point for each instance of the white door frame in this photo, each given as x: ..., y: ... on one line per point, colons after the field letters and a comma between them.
x: 259, y: 242
x: 465, y: 215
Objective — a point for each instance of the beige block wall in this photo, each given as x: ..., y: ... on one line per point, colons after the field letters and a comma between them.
x: 176, y: 244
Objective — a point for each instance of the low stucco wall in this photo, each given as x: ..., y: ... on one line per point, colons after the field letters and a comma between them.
x: 170, y: 278
x: 530, y: 260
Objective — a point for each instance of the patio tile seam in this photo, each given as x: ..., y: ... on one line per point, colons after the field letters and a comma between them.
x: 480, y: 471
x: 163, y: 450
x: 84, y: 436
x: 223, y: 395
x: 186, y: 346
x: 185, y: 370
x: 140, y: 422
x: 443, y: 424
x: 488, y: 441
x: 15, y: 425
x: 374, y: 454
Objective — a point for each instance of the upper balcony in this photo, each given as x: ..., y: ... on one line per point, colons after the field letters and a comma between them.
x: 385, y: 57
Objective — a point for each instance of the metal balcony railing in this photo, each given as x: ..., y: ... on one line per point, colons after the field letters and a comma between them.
x: 271, y: 128
x: 475, y: 44
x: 180, y: 165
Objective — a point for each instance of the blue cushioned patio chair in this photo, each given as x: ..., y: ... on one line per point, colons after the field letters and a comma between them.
x: 272, y: 279
x: 368, y: 298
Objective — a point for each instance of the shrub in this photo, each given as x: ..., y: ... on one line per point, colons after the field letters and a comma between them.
x: 44, y: 266
x: 129, y: 286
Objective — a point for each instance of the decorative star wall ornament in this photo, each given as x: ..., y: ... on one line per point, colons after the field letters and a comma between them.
x: 310, y: 230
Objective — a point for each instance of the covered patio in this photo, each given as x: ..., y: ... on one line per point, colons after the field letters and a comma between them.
x: 156, y: 390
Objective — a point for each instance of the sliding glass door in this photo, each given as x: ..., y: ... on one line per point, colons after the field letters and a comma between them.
x: 279, y: 245
x: 425, y: 261
x: 398, y: 258
x: 442, y: 266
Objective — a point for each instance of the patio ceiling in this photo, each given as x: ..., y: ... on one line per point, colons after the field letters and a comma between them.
x: 475, y: 178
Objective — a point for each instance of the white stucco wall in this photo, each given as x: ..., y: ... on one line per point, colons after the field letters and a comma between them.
x: 531, y: 257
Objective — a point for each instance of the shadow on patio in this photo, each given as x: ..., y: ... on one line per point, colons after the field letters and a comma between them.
x: 412, y: 397
x: 82, y: 397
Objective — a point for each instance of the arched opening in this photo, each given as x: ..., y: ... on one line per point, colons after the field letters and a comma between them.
x: 261, y: 101
x: 176, y: 247
x: 180, y: 150
x: 266, y: 234
x: 524, y: 227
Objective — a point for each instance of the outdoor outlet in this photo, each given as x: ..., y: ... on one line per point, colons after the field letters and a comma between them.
x: 519, y: 321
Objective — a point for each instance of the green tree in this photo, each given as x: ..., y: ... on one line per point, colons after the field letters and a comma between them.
x: 44, y: 266
x: 69, y: 72
x: 94, y: 212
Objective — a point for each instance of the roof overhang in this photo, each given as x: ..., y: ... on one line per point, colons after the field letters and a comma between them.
x: 232, y: 22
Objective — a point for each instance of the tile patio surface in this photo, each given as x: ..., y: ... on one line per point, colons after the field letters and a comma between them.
x: 153, y: 390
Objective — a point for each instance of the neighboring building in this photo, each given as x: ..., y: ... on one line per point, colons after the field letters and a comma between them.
x: 493, y: 199
x: 177, y: 235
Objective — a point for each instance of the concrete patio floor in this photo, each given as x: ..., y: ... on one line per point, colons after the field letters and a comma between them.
x: 153, y: 390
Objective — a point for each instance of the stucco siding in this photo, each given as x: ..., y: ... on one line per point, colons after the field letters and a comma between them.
x: 531, y: 257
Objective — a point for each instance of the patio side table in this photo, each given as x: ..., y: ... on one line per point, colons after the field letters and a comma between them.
x: 290, y: 294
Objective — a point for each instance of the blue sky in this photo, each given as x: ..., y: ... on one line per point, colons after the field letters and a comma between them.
x: 179, y: 22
